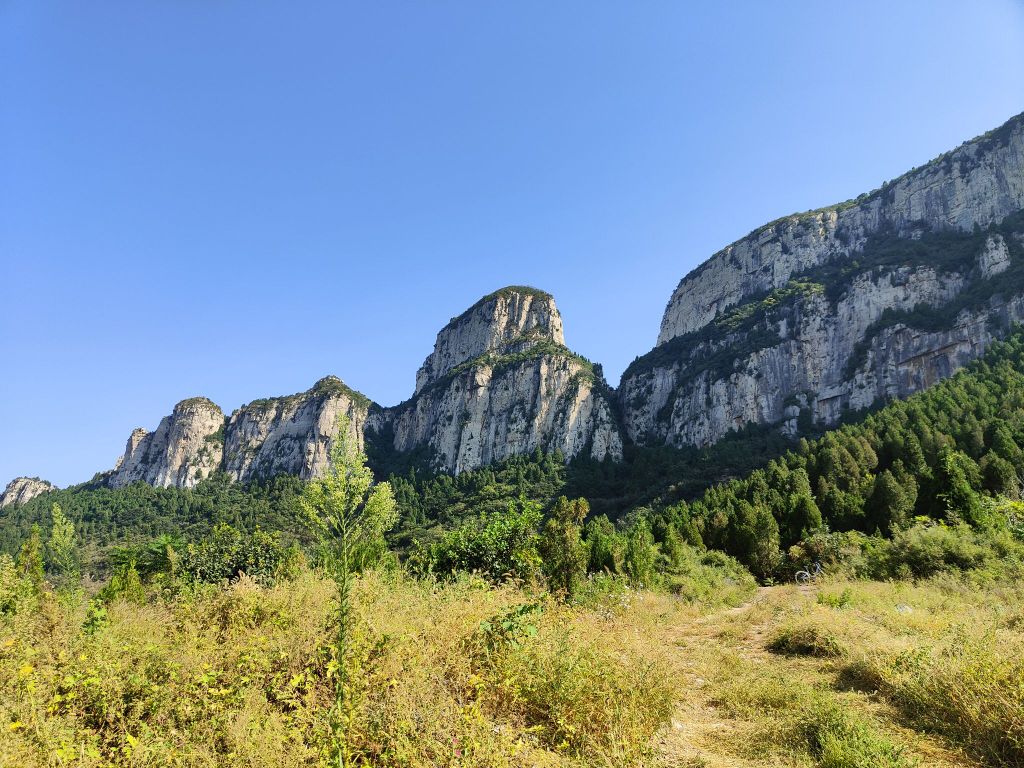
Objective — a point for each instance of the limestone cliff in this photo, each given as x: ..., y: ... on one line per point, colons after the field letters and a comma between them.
x: 980, y: 183
x: 184, y: 449
x: 837, y: 309
x: 501, y: 382
x: 505, y: 322
x: 292, y: 435
x: 21, y: 489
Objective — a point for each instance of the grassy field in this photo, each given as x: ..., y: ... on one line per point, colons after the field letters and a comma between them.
x: 464, y: 673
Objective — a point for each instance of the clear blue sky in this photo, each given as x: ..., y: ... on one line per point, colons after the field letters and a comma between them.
x: 233, y: 199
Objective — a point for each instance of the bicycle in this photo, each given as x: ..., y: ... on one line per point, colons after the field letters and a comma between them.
x: 809, y: 574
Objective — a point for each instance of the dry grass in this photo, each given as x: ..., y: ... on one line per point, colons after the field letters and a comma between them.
x: 241, y: 676
x: 844, y: 674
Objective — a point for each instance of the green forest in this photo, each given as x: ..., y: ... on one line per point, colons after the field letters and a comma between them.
x: 949, y: 455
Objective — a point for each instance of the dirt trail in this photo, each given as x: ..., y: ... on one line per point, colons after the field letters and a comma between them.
x: 698, y: 728
x: 711, y: 648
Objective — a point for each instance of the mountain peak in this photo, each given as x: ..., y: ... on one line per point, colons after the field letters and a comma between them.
x: 508, y: 320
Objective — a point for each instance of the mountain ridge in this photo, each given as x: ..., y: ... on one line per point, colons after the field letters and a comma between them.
x: 804, y: 319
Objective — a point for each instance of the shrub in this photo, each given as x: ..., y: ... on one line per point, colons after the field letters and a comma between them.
x: 228, y: 553
x: 840, y: 739
x: 498, y: 545
x: 805, y: 638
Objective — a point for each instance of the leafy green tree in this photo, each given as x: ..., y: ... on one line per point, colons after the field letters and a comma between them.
x: 891, y: 502
x: 561, y: 546
x: 957, y: 477
x: 673, y: 548
x: 765, y: 554
x: 62, y: 546
x: 604, y: 545
x: 640, y: 554
x: 348, y: 515
x: 30, y: 560
x: 999, y: 476
x: 126, y: 584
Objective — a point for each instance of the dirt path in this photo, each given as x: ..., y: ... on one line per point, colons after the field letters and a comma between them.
x: 699, y: 728
x: 712, y: 650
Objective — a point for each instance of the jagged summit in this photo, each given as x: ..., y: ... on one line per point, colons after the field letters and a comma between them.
x: 179, y: 453
x: 508, y: 321
x: 21, y: 489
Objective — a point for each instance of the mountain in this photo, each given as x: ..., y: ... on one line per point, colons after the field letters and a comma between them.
x: 23, y: 489
x: 499, y: 382
x: 837, y: 309
x: 806, y: 320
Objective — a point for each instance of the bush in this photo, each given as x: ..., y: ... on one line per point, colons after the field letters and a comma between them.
x: 499, y: 545
x: 710, y: 577
x: 228, y: 553
x: 840, y: 739
x: 805, y: 638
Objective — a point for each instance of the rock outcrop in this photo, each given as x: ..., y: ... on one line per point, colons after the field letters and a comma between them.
x: 501, y: 382
x: 801, y: 321
x: 980, y: 183
x: 503, y: 323
x: 21, y: 489
x: 292, y: 435
x: 184, y: 449
x: 838, y: 309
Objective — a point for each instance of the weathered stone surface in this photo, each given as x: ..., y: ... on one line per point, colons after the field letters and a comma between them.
x: 500, y: 382
x: 184, y: 449
x: 22, y: 489
x: 508, y: 321
x: 292, y: 435
x: 980, y: 183
x: 491, y: 412
x: 835, y: 296
x: 995, y: 259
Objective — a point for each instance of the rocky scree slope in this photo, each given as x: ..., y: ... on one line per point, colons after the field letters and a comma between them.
x: 836, y: 309
x: 499, y: 382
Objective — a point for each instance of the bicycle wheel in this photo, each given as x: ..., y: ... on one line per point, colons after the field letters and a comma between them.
x: 803, y: 578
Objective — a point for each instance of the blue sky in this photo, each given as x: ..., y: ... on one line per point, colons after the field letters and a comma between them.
x: 234, y: 199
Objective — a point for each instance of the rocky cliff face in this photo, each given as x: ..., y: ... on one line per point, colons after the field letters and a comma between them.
x: 501, y: 382
x: 184, y: 449
x: 21, y: 489
x: 503, y: 323
x: 837, y: 309
x: 292, y: 435
x: 980, y: 183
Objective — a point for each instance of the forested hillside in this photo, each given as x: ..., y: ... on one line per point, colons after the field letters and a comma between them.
x: 939, y: 455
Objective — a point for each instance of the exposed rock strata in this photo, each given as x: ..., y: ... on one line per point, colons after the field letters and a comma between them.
x: 501, y: 382
x: 979, y: 183
x: 292, y: 435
